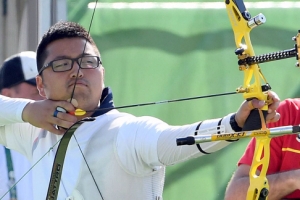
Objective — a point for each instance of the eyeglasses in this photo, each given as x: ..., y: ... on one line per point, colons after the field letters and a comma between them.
x: 66, y: 64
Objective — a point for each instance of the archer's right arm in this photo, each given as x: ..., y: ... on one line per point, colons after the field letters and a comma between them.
x: 40, y: 114
x: 37, y: 113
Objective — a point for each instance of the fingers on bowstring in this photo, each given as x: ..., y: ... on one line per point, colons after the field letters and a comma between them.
x: 67, y: 117
x: 64, y: 120
x: 65, y: 106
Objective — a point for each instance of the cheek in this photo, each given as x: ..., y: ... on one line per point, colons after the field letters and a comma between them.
x: 55, y: 80
x: 96, y: 82
x: 95, y: 77
x: 53, y: 88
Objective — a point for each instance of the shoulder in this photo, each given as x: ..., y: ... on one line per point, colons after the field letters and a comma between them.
x: 144, y: 121
x: 289, y: 106
x: 290, y: 102
x: 127, y: 121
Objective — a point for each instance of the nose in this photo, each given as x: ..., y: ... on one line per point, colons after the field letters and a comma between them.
x: 76, y: 71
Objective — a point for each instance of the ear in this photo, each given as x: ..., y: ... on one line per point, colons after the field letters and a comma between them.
x: 40, y: 86
x: 103, y: 71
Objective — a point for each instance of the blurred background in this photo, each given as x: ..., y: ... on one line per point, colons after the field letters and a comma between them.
x: 162, y: 50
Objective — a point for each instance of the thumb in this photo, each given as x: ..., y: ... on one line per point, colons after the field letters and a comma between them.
x: 255, y: 103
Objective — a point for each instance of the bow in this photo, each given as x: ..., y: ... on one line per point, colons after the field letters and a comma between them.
x: 242, y: 23
x: 58, y: 162
x: 241, y: 59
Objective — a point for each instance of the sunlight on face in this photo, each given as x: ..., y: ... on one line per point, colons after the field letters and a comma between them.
x: 60, y: 85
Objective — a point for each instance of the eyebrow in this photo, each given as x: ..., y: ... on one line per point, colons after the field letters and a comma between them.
x: 82, y: 54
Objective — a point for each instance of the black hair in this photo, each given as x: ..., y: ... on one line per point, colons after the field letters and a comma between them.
x: 60, y: 30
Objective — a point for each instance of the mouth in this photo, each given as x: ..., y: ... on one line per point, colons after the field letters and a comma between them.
x: 78, y: 83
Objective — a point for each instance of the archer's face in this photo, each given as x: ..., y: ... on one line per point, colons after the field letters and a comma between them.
x: 59, y: 85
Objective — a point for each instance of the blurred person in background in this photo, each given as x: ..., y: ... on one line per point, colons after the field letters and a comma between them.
x: 283, y: 170
x: 17, y: 80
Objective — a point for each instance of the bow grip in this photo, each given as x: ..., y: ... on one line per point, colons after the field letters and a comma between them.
x: 254, y: 121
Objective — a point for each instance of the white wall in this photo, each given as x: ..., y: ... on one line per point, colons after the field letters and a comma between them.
x: 25, y: 22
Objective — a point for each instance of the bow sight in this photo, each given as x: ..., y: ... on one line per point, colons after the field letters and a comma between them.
x: 246, y: 60
x: 279, y: 55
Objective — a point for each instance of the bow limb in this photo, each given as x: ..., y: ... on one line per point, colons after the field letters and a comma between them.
x: 58, y: 162
x: 241, y: 29
x: 242, y: 24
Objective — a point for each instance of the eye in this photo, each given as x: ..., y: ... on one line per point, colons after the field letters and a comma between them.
x: 88, y: 61
x: 61, y: 63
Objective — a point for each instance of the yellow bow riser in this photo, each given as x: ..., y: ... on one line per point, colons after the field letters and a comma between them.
x: 242, y: 24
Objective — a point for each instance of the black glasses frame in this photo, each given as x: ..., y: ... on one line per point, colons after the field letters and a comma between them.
x: 50, y: 64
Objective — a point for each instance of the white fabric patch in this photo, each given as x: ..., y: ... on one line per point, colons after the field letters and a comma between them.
x: 75, y: 196
x: 28, y: 60
x: 212, y: 130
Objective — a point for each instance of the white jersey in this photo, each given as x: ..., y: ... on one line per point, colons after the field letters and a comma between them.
x: 126, y: 155
x: 20, y: 166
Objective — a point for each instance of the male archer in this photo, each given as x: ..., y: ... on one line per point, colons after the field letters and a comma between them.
x: 17, y: 80
x: 116, y: 156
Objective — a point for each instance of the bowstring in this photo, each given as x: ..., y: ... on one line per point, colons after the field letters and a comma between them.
x: 15, y: 184
x: 72, y: 96
x: 119, y: 107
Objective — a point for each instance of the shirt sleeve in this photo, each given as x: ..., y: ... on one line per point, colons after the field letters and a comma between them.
x: 18, y: 137
x: 169, y: 153
x: 289, y: 115
x: 11, y: 109
x: 153, y: 142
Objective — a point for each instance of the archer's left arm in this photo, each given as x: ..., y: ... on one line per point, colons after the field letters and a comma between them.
x: 170, y: 153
